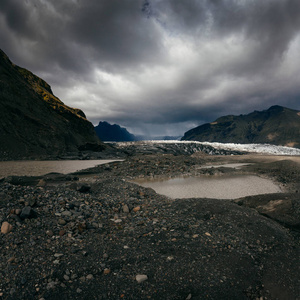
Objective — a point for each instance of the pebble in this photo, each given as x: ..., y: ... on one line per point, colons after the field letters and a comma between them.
x: 49, y: 232
x: 62, y: 232
x: 42, y: 182
x: 125, y: 209
x: 66, y: 213
x: 6, y: 228
x: 141, y: 278
x: 58, y: 255
x: 106, y: 271
x: 137, y: 208
x: 18, y: 211
x: 66, y: 277
x: 61, y: 222
x: 27, y: 213
x: 89, y: 277
x: 78, y: 290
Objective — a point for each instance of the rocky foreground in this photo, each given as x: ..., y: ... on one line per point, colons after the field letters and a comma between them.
x: 96, y: 235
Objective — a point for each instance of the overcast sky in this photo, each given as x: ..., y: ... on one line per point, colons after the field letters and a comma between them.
x: 159, y: 66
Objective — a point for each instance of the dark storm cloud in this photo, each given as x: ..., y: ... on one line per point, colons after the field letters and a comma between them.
x: 153, y: 63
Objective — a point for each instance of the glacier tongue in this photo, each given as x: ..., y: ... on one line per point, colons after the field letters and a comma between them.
x: 257, y: 148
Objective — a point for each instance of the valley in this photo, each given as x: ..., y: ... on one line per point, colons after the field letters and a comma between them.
x: 97, y: 235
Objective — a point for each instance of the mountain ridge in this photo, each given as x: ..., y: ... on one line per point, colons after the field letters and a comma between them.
x: 34, y: 122
x: 113, y: 133
x: 277, y: 125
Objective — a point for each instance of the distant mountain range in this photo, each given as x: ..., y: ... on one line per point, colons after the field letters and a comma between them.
x: 277, y: 125
x: 33, y: 122
x: 113, y: 133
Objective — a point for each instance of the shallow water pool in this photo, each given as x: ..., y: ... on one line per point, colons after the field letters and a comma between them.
x: 223, y: 187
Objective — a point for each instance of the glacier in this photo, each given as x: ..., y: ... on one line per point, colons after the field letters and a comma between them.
x: 251, y: 148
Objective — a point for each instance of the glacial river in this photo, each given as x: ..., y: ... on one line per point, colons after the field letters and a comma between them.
x: 36, y: 168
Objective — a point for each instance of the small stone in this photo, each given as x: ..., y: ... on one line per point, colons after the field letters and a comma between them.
x: 58, y: 254
x: 32, y: 202
x: 66, y: 277
x: 89, y: 277
x: 51, y: 285
x: 66, y: 213
x: 207, y: 233
x: 27, y: 213
x: 195, y: 236
x: 6, y: 228
x: 12, y: 259
x: 42, y: 182
x: 141, y: 278
x: 125, y: 209
x: 84, y: 188
x: 78, y: 290
x: 49, y: 232
x: 137, y: 208
x: 106, y: 271
x: 188, y: 297
x: 81, y: 227
x: 56, y: 262
x: 61, y: 222
x: 62, y: 232
x: 18, y: 211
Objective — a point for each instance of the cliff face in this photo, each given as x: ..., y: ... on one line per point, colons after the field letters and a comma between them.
x: 35, y: 123
x: 277, y: 125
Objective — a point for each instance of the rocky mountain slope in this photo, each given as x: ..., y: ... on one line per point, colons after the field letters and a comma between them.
x: 278, y: 125
x: 113, y: 133
x: 35, y: 123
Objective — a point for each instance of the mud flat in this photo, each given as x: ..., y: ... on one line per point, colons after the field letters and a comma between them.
x: 94, y: 234
x: 40, y: 167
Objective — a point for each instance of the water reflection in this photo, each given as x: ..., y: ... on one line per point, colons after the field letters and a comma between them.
x: 225, y: 187
x: 36, y: 168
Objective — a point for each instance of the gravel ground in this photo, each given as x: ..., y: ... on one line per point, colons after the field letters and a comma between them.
x: 95, y: 235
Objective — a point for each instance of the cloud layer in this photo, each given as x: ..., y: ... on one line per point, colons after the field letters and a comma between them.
x: 159, y: 66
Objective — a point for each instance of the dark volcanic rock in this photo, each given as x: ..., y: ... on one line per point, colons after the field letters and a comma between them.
x: 113, y: 133
x: 35, y: 123
x: 28, y: 213
x: 277, y: 125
